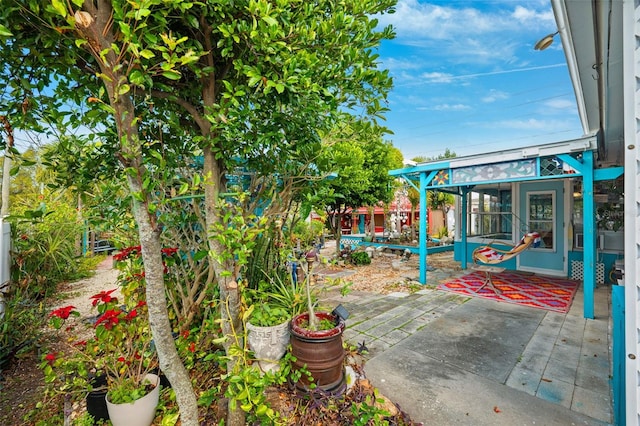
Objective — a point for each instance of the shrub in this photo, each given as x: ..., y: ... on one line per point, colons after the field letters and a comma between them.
x: 19, y: 326
x: 45, y: 250
x: 360, y: 258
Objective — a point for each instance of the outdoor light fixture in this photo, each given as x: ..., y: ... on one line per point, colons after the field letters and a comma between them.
x: 545, y: 41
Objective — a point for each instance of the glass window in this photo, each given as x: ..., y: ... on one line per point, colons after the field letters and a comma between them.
x: 490, y: 213
x: 540, y: 216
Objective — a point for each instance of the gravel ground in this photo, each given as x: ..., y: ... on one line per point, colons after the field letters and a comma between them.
x: 387, y: 272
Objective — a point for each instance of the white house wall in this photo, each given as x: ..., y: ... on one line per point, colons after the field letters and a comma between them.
x: 631, y: 75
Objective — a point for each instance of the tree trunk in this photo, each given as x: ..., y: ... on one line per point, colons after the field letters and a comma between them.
x: 337, y: 232
x: 6, y: 168
x: 94, y: 25
x: 372, y: 222
x: 231, y: 324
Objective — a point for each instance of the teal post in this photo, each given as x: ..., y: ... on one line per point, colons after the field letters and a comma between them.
x: 423, y: 228
x: 590, y: 231
x: 463, y: 228
x: 618, y: 379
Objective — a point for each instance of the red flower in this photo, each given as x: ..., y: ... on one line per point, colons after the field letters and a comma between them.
x: 62, y: 313
x: 131, y: 315
x: 192, y: 347
x: 185, y: 333
x: 81, y: 343
x: 169, y: 251
x: 103, y: 296
x: 109, y: 318
x: 50, y: 357
x: 125, y: 252
x: 121, y: 359
x: 141, y: 303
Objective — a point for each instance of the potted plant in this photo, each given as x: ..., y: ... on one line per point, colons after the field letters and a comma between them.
x: 316, y: 342
x: 123, y: 339
x: 268, y: 333
x: 121, y: 349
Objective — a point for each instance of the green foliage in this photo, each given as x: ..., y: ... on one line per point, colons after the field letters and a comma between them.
x: 265, y: 315
x: 20, y: 326
x: 360, y: 258
x: 284, y: 293
x: 45, y: 250
x: 366, y: 413
x: 308, y: 233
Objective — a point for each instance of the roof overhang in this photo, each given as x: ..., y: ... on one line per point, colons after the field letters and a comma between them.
x: 587, y: 143
x: 591, y: 33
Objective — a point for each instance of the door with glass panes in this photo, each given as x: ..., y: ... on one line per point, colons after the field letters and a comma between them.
x: 542, y: 210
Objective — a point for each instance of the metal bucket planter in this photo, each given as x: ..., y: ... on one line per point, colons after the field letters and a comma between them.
x: 268, y: 344
x: 321, y: 352
x: 140, y: 412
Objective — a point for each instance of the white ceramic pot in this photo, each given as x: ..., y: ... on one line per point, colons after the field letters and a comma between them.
x: 140, y: 412
x: 268, y: 344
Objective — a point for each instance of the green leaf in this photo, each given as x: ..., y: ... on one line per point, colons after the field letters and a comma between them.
x: 137, y: 77
x: 147, y: 54
x: 269, y: 20
x: 170, y: 419
x: 171, y: 75
x: 59, y: 7
x: 4, y: 31
x: 123, y: 89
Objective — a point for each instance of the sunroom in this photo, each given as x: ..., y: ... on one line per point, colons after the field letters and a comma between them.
x: 559, y: 190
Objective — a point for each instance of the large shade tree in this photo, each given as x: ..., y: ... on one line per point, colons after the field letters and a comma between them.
x: 254, y: 82
x: 361, y: 161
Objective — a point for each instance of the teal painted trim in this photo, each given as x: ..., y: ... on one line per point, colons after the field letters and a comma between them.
x: 85, y: 239
x: 421, y: 168
x: 423, y: 229
x: 609, y: 173
x: 410, y: 182
x: 412, y: 249
x: 574, y: 163
x: 590, y: 230
x: 463, y: 228
x: 486, y: 182
x: 431, y: 175
x: 439, y: 249
x: 618, y: 379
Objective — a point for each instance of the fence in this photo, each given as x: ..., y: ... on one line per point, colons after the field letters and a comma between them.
x: 5, y: 261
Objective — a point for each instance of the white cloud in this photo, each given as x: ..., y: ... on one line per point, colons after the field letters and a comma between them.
x: 523, y: 14
x: 495, y: 95
x: 470, y: 33
x: 561, y: 104
x: 532, y: 124
x: 432, y: 21
x: 450, y: 107
x: 436, y: 77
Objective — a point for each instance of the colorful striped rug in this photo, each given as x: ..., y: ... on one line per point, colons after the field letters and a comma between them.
x: 550, y: 293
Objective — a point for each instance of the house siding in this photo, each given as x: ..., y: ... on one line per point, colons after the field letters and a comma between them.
x: 631, y: 77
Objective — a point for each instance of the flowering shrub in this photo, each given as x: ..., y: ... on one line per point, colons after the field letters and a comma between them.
x: 121, y: 347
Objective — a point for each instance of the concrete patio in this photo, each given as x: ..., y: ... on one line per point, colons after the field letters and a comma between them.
x: 449, y: 359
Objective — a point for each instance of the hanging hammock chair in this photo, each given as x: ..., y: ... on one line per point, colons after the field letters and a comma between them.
x: 489, y: 256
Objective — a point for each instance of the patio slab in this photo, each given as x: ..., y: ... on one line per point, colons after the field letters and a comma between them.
x: 465, y: 368
x: 449, y: 359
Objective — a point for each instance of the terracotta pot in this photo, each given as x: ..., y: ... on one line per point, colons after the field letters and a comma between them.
x: 321, y: 352
x: 140, y: 412
x: 268, y: 344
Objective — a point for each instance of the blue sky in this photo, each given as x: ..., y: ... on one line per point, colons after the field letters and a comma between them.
x: 467, y: 78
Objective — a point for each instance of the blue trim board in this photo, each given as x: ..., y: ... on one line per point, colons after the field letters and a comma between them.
x: 618, y: 379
